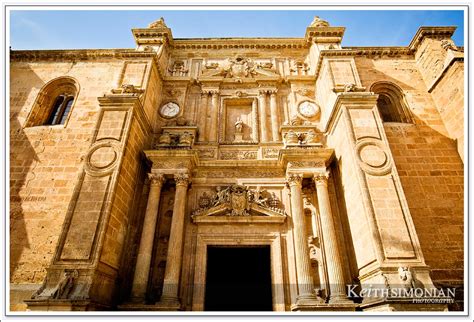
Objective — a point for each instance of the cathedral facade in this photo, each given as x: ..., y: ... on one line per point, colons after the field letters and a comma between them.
x: 238, y: 174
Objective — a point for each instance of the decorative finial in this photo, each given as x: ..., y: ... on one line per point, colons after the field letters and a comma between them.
x: 318, y: 22
x: 160, y: 23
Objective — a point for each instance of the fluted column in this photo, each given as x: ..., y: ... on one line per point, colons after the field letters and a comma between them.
x: 175, y: 246
x: 255, y: 120
x: 262, y: 102
x: 203, y: 116
x: 214, y: 113
x: 142, y: 269
x: 274, y: 116
x: 303, y: 265
x: 331, y: 248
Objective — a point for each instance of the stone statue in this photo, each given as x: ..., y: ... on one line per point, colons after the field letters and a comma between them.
x: 407, y: 277
x: 65, y: 285
x: 448, y: 44
x: 160, y: 23
x: 239, y: 126
x: 291, y: 137
x: 221, y: 196
x: 318, y: 22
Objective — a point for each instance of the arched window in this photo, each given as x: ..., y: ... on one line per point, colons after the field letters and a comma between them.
x: 390, y: 103
x: 54, y: 103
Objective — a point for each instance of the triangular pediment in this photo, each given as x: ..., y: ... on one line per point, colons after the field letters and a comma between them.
x: 240, y: 204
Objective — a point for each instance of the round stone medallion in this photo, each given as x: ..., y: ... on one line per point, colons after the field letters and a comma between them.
x: 373, y: 156
x: 102, y: 157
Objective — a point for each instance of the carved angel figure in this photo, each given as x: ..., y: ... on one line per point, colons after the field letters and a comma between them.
x: 221, y: 196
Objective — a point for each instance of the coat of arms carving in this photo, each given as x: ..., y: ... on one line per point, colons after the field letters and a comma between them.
x: 239, y: 200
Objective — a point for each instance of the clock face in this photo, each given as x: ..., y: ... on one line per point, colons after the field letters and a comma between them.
x: 308, y: 109
x: 169, y: 110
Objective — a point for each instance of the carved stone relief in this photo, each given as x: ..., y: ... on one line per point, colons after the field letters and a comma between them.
x: 207, y: 153
x: 270, y: 153
x: 239, y: 200
x: 239, y: 67
x: 238, y: 155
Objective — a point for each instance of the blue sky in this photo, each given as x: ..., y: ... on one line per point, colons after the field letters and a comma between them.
x: 66, y: 29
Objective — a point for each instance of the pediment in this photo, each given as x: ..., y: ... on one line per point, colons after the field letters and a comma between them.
x: 237, y: 203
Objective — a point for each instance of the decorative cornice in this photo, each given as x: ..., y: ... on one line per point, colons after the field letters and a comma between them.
x: 321, y: 34
x: 444, y: 32
x: 362, y: 52
x: 239, y: 43
x: 160, y: 35
x: 78, y: 54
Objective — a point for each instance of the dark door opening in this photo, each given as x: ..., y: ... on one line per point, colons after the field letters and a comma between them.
x: 238, y: 279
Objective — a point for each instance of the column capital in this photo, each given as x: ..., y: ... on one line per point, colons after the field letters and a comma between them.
x: 181, y: 179
x: 156, y: 179
x: 262, y: 92
x: 321, y: 178
x: 204, y: 93
x: 294, y: 179
x: 214, y: 92
x: 272, y: 92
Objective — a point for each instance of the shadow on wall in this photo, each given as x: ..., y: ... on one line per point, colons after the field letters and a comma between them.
x: 432, y: 177
x: 23, y: 161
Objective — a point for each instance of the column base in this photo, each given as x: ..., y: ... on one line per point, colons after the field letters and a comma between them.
x: 343, y: 300
x: 168, y: 304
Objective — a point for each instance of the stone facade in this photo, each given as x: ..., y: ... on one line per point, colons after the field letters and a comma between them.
x: 346, y: 162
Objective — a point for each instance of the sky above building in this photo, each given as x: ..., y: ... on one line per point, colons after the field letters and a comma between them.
x: 76, y: 29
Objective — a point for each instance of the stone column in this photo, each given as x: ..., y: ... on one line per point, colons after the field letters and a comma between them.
x: 262, y: 102
x: 214, y: 113
x: 274, y: 116
x: 285, y: 110
x: 169, y: 297
x: 142, y: 269
x: 203, y: 116
x: 303, y: 265
x: 255, y: 120
x: 331, y: 248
